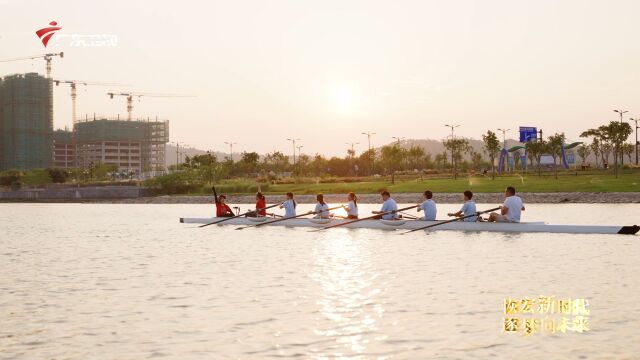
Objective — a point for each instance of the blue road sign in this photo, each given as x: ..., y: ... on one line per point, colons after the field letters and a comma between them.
x: 528, y: 133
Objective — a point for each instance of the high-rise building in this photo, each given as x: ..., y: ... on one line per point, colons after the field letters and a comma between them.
x: 26, y: 122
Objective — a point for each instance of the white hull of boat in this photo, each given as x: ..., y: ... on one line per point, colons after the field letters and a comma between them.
x: 524, y: 227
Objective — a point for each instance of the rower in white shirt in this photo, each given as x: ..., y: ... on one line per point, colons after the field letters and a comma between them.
x: 289, y: 206
x: 511, y: 210
x: 322, y: 209
x: 468, y: 210
x: 352, y: 206
x: 389, y: 207
x: 428, y: 206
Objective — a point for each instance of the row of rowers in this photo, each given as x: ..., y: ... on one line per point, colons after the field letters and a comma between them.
x: 510, y: 210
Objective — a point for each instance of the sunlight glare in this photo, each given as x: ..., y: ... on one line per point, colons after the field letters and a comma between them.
x: 344, y: 97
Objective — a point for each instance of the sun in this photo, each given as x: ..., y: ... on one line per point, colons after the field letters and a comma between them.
x: 344, y: 98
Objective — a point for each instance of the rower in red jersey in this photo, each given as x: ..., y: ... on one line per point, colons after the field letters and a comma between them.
x: 261, y: 204
x: 222, y: 209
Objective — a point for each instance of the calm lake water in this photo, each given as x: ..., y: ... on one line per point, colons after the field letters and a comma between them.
x: 96, y: 281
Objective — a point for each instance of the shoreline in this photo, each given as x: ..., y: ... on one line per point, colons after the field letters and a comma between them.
x: 405, y: 198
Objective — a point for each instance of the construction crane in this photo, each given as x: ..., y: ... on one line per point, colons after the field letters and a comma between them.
x: 131, y: 95
x: 74, y: 94
x: 46, y: 57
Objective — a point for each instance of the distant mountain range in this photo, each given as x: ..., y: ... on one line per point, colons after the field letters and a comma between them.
x: 171, y: 155
x: 434, y: 147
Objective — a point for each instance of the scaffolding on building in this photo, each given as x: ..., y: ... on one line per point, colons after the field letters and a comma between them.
x: 137, y: 145
x: 26, y: 121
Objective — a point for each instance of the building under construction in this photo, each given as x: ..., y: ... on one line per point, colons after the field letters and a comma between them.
x: 137, y: 146
x: 64, y: 149
x: 27, y: 139
x: 26, y: 122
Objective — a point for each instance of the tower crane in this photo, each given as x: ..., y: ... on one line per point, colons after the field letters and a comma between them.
x: 131, y: 95
x: 46, y: 57
x: 74, y: 84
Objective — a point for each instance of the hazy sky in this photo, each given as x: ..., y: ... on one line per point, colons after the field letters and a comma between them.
x: 325, y: 71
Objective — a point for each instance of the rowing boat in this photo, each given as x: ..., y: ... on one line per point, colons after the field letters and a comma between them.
x: 524, y: 227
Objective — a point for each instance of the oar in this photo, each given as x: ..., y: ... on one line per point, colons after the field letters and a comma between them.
x: 237, y: 216
x: 366, y: 218
x: 287, y: 218
x: 409, y: 216
x: 450, y: 221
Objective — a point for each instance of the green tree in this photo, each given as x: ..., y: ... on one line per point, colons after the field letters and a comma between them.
x: 212, y: 173
x: 617, y: 133
x: 11, y: 177
x: 555, y: 143
x: 179, y: 182
x: 535, y: 149
x: 304, y: 163
x: 415, y: 156
x: 199, y: 160
x: 601, y: 144
x: 491, y: 148
x: 36, y: 177
x: 476, y: 159
x: 248, y: 163
x: 516, y: 159
x: 456, y: 147
x: 276, y: 162
x: 595, y: 147
x: 102, y: 171
x: 391, y: 159
x: 584, y: 151
x: 368, y: 159
x: 629, y: 150
x: 439, y: 159
x: 338, y: 166
x: 58, y: 175
x: 319, y: 165
x: 611, y: 138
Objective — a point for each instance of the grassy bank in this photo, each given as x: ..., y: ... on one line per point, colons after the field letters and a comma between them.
x: 593, y: 182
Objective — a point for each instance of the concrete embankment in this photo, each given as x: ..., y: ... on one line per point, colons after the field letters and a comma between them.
x: 407, y: 198
x: 73, y: 194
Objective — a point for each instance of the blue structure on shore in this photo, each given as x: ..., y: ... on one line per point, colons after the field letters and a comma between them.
x: 527, y: 134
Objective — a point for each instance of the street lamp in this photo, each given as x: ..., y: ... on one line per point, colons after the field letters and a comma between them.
x: 504, y: 143
x: 504, y: 137
x: 369, y: 134
x: 230, y: 143
x: 452, y: 128
x: 453, y: 164
x: 398, y: 138
x: 353, y: 152
x: 636, y: 121
x: 621, y: 112
x: 293, y: 141
x: 177, y: 154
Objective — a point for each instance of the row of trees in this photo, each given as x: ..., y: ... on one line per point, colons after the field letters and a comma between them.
x: 388, y: 160
x: 606, y: 140
x: 457, y: 156
x: 38, y: 177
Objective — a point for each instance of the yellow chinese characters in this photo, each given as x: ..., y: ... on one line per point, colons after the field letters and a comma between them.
x: 554, y: 315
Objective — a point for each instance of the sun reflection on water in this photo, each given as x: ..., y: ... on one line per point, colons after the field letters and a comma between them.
x: 347, y: 294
